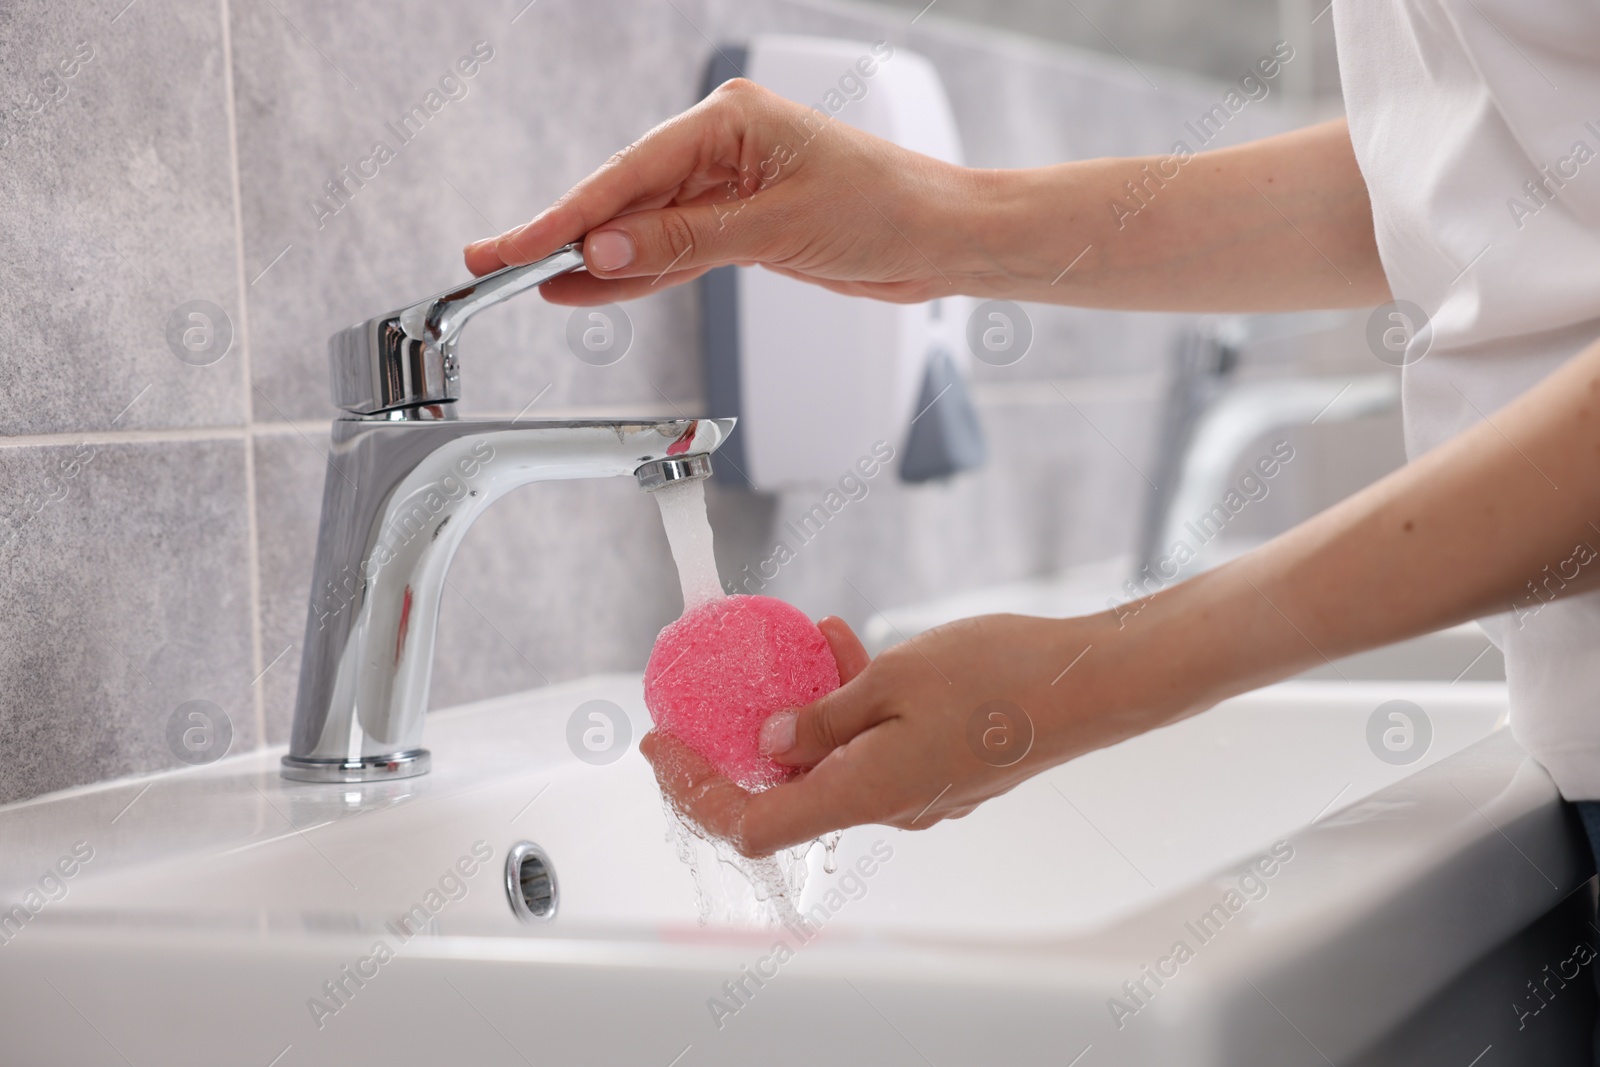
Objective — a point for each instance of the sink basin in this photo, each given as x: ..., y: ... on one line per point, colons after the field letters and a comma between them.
x: 282, y: 923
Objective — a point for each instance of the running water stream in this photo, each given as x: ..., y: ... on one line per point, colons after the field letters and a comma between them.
x: 683, y: 513
x: 777, y: 880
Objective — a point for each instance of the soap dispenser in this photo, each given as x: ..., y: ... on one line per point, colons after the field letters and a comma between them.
x: 816, y: 378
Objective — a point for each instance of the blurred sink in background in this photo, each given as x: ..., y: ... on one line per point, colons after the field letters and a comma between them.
x: 1280, y: 415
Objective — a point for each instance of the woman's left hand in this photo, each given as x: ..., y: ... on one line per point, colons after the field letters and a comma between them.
x: 927, y: 731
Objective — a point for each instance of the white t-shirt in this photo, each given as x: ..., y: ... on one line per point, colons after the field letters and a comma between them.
x: 1476, y: 125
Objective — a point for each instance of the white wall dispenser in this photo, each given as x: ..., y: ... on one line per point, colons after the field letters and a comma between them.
x: 816, y: 378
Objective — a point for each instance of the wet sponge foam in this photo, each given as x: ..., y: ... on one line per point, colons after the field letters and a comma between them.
x: 719, y: 671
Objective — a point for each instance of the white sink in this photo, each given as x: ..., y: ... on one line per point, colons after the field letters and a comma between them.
x: 220, y: 900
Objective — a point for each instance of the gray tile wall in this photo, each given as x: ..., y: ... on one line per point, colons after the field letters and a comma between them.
x: 159, y: 512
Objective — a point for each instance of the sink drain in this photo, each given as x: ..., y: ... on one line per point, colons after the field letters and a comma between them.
x: 531, y: 883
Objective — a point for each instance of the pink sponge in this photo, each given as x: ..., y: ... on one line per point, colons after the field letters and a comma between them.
x: 717, y: 673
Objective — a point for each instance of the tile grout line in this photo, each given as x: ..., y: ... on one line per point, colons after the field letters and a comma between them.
x: 252, y: 527
x: 281, y: 427
x: 983, y: 394
x: 116, y: 437
x: 164, y: 436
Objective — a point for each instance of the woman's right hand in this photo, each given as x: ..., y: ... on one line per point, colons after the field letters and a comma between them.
x: 749, y: 177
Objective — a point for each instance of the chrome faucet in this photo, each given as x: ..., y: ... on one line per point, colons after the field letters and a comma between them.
x: 405, y: 480
x: 1210, y: 417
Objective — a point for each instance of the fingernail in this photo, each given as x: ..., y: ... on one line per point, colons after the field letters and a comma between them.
x: 777, y: 733
x: 609, y: 250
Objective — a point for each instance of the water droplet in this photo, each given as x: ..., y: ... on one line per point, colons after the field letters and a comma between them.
x: 830, y: 851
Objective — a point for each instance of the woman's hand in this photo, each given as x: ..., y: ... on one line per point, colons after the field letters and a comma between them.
x: 751, y: 178
x: 927, y: 731
x: 748, y: 177
x: 910, y: 737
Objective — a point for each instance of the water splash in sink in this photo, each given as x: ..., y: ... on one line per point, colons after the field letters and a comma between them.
x: 761, y: 891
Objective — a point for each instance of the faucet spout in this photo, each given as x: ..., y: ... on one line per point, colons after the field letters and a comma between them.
x: 398, y: 498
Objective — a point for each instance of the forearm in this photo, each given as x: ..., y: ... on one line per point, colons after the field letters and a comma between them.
x: 1277, y: 224
x: 1502, y: 518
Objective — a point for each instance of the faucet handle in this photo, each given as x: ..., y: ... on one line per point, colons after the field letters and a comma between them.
x: 407, y: 358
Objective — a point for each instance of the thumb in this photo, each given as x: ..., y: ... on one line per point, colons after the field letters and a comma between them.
x: 652, y: 242
x: 803, y: 736
x: 848, y: 652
